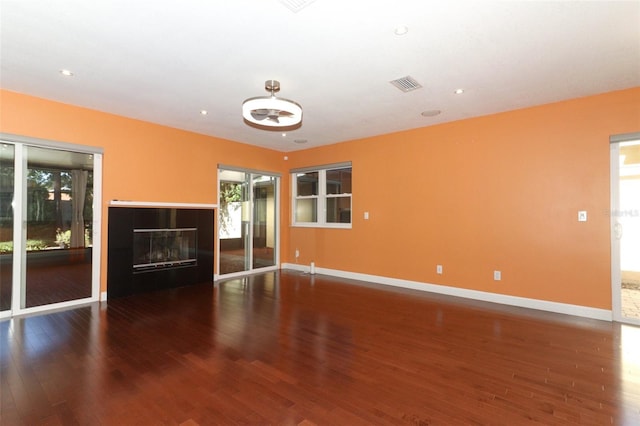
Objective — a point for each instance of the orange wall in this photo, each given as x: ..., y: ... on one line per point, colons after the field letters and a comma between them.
x: 495, y: 192
x: 142, y: 161
x: 499, y: 192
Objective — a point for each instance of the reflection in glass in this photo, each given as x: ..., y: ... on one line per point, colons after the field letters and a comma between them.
x: 307, y: 210
x: 338, y: 196
x: 339, y: 210
x: 234, y: 217
x: 264, y: 221
x: 307, y: 184
x: 339, y: 181
x: 155, y: 249
x: 59, y: 219
x: 247, y: 221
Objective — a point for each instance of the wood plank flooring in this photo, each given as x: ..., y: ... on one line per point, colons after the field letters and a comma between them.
x: 285, y: 348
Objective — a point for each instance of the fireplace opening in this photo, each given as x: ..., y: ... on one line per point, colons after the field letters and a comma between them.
x: 156, y: 249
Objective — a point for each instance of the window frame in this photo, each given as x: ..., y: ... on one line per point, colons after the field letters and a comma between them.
x: 321, y: 197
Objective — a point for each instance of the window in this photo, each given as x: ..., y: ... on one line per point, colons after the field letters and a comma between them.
x: 322, y: 196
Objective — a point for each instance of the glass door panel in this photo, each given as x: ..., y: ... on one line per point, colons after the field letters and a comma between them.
x: 234, y: 224
x: 59, y: 218
x: 7, y: 155
x: 247, y: 229
x: 264, y: 221
x: 627, y: 228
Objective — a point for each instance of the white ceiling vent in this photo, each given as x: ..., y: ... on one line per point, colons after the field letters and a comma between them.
x: 406, y: 84
x: 296, y: 5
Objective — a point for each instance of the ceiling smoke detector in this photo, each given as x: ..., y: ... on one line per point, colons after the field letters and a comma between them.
x: 271, y: 111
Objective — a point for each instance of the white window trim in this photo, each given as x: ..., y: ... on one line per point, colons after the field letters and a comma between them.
x: 321, y: 197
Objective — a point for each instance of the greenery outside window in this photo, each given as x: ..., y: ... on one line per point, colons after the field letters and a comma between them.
x: 322, y: 196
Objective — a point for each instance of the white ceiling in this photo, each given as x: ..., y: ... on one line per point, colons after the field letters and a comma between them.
x: 165, y: 60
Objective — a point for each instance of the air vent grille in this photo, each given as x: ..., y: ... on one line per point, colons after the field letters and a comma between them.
x: 406, y: 84
x: 296, y: 5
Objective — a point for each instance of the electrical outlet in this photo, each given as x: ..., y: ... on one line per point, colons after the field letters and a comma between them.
x: 582, y: 216
x: 439, y: 269
x: 497, y: 275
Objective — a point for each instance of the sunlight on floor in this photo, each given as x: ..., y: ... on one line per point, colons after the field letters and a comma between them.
x: 630, y: 366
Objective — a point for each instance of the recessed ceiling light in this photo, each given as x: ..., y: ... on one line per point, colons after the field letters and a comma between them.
x: 204, y: 112
x: 66, y: 73
x: 284, y: 135
x: 431, y: 113
x: 401, y: 30
x: 458, y: 91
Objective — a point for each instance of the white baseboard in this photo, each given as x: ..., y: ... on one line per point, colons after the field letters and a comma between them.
x: 522, y: 302
x: 103, y: 296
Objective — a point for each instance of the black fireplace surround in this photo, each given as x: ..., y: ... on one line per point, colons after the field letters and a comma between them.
x: 152, y: 249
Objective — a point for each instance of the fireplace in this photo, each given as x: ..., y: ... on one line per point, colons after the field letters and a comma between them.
x: 155, y: 249
x: 152, y: 249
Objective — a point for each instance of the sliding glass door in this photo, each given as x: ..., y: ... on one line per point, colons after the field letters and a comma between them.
x: 263, y: 240
x: 625, y: 227
x: 46, y: 227
x: 247, y: 226
x: 7, y: 158
x: 59, y: 219
x: 233, y: 224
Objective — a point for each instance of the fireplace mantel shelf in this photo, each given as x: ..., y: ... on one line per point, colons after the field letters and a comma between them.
x: 128, y: 203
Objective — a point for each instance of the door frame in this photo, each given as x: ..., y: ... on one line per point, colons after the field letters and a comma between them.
x: 616, y: 275
x: 19, y: 225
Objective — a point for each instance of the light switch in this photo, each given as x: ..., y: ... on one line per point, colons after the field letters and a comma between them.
x: 582, y: 216
x: 366, y: 215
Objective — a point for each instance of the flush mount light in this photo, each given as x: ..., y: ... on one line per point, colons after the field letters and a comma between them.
x: 458, y: 91
x: 204, y: 112
x: 401, y: 30
x: 66, y: 73
x: 271, y: 111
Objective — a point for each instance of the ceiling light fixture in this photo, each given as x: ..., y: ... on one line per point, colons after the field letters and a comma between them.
x: 66, y: 73
x: 271, y: 111
x: 459, y: 91
x: 401, y: 30
x: 204, y: 112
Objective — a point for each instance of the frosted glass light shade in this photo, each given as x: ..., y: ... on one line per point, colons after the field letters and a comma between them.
x: 271, y: 111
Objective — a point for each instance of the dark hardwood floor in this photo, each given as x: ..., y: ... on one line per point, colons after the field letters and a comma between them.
x: 292, y: 349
